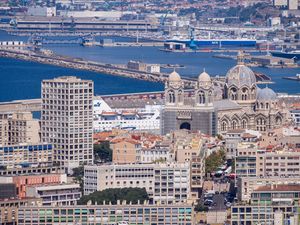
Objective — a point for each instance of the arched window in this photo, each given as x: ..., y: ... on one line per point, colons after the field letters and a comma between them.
x: 244, y: 94
x: 224, y: 126
x: 261, y: 124
x: 233, y: 94
x: 171, y: 97
x: 261, y: 105
x: 202, y: 97
x: 267, y: 105
x: 234, y: 125
x: 180, y: 96
x: 278, y: 120
x: 244, y: 123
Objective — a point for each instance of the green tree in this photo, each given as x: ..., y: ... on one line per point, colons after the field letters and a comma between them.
x: 78, y: 176
x: 103, y: 152
x: 113, y: 194
x: 215, y: 160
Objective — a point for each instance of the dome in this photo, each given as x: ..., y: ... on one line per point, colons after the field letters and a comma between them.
x: 174, y: 77
x: 204, y: 77
x: 239, y: 76
x: 266, y: 94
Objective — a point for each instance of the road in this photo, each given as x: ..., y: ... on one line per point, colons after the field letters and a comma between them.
x: 219, y: 203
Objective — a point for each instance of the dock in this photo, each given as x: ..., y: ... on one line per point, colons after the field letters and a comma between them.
x: 78, y: 63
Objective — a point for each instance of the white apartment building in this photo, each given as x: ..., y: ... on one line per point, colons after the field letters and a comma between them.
x: 246, y: 185
x: 164, y: 183
x: 155, y: 154
x: 56, y: 194
x: 254, y: 162
x: 67, y: 120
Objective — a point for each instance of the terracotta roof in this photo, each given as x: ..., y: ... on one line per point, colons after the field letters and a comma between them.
x: 281, y: 188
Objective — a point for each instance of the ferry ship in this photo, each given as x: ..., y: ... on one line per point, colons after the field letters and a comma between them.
x: 216, y: 42
x: 290, y: 55
x: 145, y: 118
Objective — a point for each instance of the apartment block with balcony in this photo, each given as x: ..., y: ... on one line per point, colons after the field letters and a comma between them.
x: 18, y: 127
x: 264, y: 214
x: 56, y: 194
x: 98, y: 178
x: 246, y: 185
x: 26, y: 155
x: 108, y: 214
x: 67, y: 120
x: 164, y: 182
x: 171, y: 183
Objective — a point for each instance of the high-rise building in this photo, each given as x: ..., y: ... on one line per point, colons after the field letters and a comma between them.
x: 67, y: 120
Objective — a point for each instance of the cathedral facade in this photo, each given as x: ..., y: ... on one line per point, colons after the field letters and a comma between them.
x: 214, y: 109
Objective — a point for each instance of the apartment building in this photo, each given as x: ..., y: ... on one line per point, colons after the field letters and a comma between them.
x: 246, y: 185
x: 164, y: 182
x: 276, y: 194
x: 264, y: 214
x: 67, y: 120
x: 125, y: 150
x: 108, y: 214
x: 22, y: 182
x: 158, y: 153
x: 252, y: 161
x: 9, y: 208
x: 55, y: 194
x: 234, y: 137
x: 26, y: 155
x: 18, y: 127
x: 99, y: 178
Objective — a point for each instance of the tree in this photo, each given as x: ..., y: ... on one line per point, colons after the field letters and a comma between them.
x: 78, y: 174
x: 114, y: 194
x: 214, y: 160
x: 103, y: 152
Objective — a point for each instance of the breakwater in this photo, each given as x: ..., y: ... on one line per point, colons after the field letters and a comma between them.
x: 77, y: 63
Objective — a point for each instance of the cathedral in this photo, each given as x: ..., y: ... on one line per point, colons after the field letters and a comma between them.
x: 212, y: 108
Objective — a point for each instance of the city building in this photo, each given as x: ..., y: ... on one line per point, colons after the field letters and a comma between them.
x: 264, y: 214
x: 254, y: 162
x: 125, y: 150
x: 158, y: 153
x: 26, y: 155
x: 18, y: 127
x: 216, y: 107
x: 67, y: 120
x: 55, y: 194
x: 246, y: 185
x: 276, y: 194
x: 9, y: 208
x: 234, y: 137
x: 141, y: 115
x: 22, y: 182
x: 108, y: 214
x: 296, y: 116
x: 8, y: 191
x: 164, y: 182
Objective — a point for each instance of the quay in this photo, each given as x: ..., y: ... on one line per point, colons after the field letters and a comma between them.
x: 81, y: 64
x: 295, y: 78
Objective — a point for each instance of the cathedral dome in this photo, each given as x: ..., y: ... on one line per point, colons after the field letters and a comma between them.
x: 204, y: 77
x: 266, y: 94
x: 240, y: 75
x: 174, y: 77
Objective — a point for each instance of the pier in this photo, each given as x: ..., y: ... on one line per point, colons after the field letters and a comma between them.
x: 77, y: 63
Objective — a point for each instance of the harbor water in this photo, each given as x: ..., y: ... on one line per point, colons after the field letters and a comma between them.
x: 20, y: 79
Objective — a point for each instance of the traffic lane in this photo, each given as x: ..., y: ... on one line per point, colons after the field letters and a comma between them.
x: 218, y: 203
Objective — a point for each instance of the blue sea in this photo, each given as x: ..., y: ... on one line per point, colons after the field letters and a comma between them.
x: 21, y: 79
